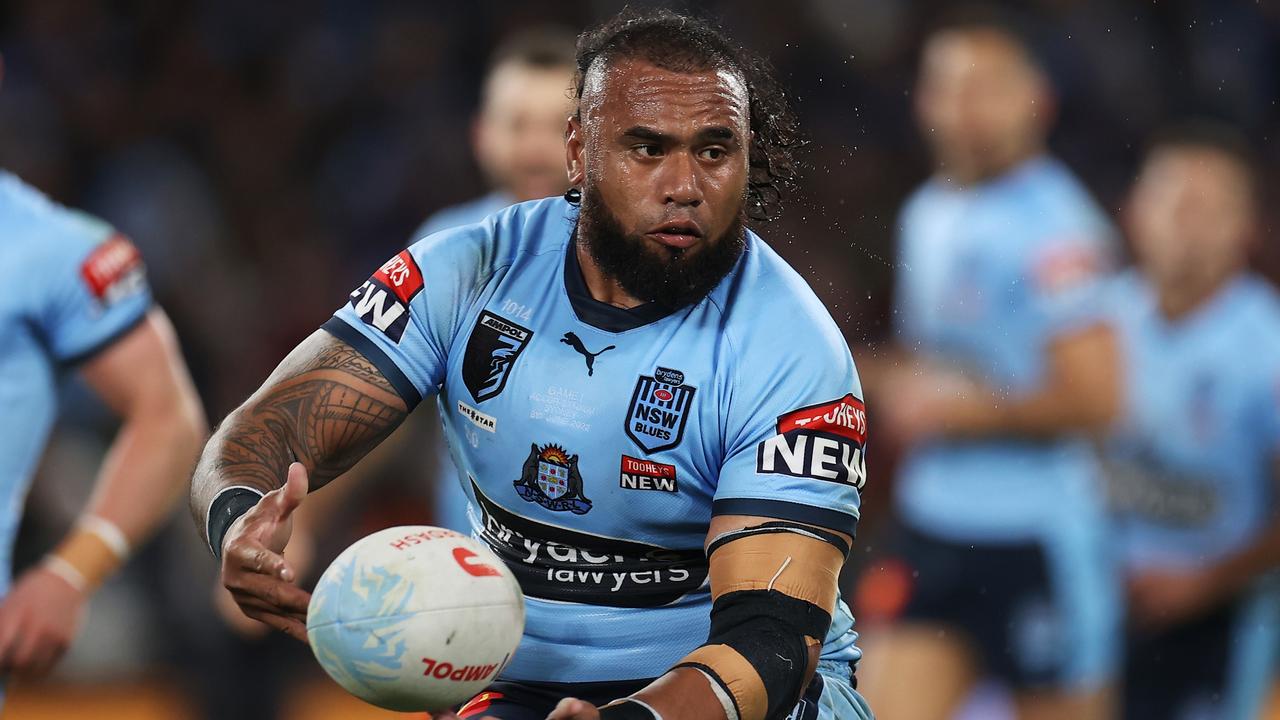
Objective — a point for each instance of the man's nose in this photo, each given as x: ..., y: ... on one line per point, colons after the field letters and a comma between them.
x: 681, y: 184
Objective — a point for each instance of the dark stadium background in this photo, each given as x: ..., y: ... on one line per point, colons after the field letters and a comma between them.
x: 266, y: 156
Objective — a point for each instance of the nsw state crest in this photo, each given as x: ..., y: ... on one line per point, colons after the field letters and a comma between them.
x: 550, y: 478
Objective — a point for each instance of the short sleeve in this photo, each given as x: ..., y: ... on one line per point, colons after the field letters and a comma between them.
x: 1066, y: 279
x: 93, y: 289
x: 402, y: 318
x: 797, y: 433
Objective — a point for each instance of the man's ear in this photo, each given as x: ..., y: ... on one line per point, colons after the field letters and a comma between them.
x: 573, y: 147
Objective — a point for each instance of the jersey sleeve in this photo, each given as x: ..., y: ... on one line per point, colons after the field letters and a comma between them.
x: 1066, y: 276
x: 92, y: 288
x: 796, y: 434
x: 404, y: 316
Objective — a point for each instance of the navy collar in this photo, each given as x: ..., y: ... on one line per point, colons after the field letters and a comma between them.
x: 601, y: 315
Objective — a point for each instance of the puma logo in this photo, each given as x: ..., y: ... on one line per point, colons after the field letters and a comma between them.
x: 574, y: 342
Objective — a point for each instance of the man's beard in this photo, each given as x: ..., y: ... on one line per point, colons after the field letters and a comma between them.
x: 672, y: 279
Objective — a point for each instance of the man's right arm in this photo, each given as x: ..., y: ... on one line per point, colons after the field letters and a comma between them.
x: 325, y: 406
x: 322, y: 409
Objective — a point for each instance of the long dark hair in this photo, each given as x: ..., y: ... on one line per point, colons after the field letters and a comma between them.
x: 683, y: 43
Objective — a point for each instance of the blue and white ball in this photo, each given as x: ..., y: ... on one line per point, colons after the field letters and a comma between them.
x: 415, y: 618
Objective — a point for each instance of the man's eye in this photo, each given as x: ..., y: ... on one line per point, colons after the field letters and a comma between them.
x: 712, y: 153
x: 648, y: 150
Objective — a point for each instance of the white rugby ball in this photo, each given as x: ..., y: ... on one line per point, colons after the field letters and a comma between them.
x: 415, y: 618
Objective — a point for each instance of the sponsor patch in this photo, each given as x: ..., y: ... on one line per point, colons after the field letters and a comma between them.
x: 573, y: 341
x: 492, y: 350
x: 1064, y: 267
x: 846, y: 417
x: 113, y: 270
x: 401, y: 275
x: 485, y: 422
x: 551, y: 479
x: 383, y: 300
x: 820, y: 442
x: 639, y: 474
x: 659, y: 410
x: 555, y: 563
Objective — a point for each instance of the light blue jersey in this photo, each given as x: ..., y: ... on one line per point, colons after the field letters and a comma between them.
x: 1193, y: 458
x: 1192, y: 461
x: 988, y: 277
x: 597, y: 443
x: 70, y: 286
x: 450, y: 500
x: 472, y: 211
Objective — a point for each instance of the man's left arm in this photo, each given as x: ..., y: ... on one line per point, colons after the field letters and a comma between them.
x: 1080, y: 393
x: 1079, y: 389
x: 142, y: 378
x: 774, y: 586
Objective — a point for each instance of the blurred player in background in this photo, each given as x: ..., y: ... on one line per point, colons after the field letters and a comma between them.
x: 1005, y: 363
x: 1195, y: 458
x: 518, y: 140
x: 724, y: 429
x: 75, y: 298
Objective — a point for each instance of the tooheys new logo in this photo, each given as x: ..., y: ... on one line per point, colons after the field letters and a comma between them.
x: 383, y: 301
x: 113, y: 270
x: 821, y: 442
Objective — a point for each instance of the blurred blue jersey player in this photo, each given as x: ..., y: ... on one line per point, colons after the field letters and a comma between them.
x: 518, y: 141
x: 74, y: 298
x: 660, y: 426
x: 1193, y: 460
x: 1005, y: 363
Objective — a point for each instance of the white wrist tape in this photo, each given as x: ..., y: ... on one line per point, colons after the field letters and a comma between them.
x: 108, y: 532
x: 66, y: 571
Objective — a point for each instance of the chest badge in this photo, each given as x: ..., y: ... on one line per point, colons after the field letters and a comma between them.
x: 550, y: 478
x: 492, y: 350
x: 659, y: 410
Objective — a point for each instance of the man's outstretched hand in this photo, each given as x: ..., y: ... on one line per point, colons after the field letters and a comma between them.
x: 253, y: 564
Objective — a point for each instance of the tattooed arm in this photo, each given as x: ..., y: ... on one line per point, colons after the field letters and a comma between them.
x: 322, y: 409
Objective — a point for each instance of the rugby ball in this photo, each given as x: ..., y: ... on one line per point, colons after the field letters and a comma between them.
x: 415, y: 618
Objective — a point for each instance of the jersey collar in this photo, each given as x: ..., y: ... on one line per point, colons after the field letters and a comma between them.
x: 601, y: 315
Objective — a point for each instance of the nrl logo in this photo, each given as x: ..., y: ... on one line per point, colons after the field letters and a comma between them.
x: 550, y: 478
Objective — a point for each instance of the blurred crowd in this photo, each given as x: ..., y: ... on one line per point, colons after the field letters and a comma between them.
x: 266, y: 156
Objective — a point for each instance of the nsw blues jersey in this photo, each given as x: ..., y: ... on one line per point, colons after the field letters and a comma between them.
x: 1192, y: 461
x: 70, y: 286
x: 596, y: 443
x: 988, y: 277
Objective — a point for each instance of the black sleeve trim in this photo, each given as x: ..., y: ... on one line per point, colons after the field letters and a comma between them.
x: 93, y: 350
x: 338, y: 328
x: 781, y: 526
x: 786, y: 510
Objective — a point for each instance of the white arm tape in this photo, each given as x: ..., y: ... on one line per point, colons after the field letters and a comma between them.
x: 726, y: 702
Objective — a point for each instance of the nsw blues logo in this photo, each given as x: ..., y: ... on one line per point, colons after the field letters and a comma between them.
x: 492, y: 350
x: 659, y: 410
x: 550, y: 478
